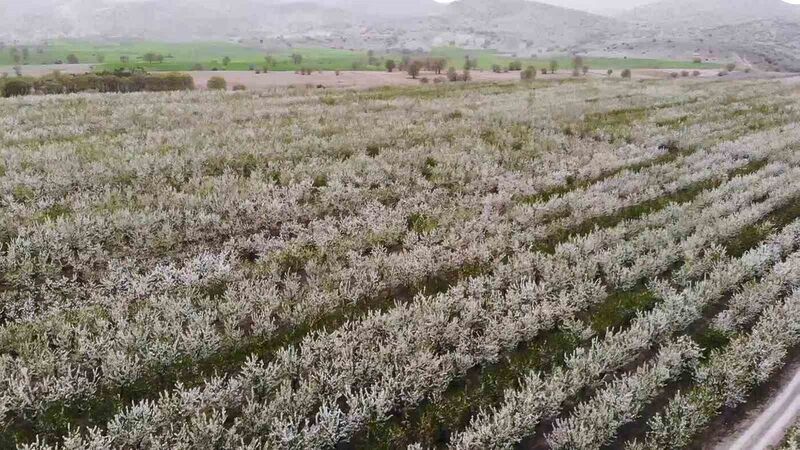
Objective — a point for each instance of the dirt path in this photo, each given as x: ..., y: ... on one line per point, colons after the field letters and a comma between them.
x: 369, y: 80
x: 45, y: 69
x: 765, y: 427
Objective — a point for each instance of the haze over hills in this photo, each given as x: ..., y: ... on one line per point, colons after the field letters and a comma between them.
x: 707, y: 13
x: 765, y: 35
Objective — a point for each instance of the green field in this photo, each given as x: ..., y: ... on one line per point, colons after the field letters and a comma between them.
x: 210, y: 55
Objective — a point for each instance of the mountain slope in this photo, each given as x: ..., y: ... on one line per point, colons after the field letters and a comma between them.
x: 694, y: 13
x: 526, y: 27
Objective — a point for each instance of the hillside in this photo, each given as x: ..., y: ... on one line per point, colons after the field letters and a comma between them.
x: 711, y: 13
x: 527, y: 27
x: 761, y: 31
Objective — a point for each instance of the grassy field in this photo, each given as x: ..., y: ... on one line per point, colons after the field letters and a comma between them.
x: 488, y: 58
x: 210, y: 55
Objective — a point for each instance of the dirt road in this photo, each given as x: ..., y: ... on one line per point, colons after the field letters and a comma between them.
x: 769, y: 427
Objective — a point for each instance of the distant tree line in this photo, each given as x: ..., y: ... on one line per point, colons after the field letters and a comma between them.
x: 118, y: 81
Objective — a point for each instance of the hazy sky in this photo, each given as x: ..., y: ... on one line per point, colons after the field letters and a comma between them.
x: 604, y: 5
x: 593, y: 5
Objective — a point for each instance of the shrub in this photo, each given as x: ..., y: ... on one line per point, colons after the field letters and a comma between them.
x: 684, y: 73
x: 16, y: 87
x: 696, y: 73
x: 72, y: 59
x: 529, y: 74
x: 515, y: 65
x: 722, y: 73
x: 390, y: 65
x: 452, y: 75
x: 544, y: 70
x: 730, y: 67
x: 217, y: 84
x: 585, y: 70
x: 626, y: 74
x: 197, y: 67
x: 553, y: 66
x: 673, y: 74
x: 239, y: 87
x: 610, y: 72
x: 577, y: 64
x: 413, y: 69
x: 496, y: 68
x: 697, y: 60
x: 424, y: 80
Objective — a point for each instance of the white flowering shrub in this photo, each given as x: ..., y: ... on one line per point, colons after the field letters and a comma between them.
x: 280, y: 270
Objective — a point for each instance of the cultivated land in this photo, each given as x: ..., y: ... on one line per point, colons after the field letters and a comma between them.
x: 210, y: 55
x: 571, y: 264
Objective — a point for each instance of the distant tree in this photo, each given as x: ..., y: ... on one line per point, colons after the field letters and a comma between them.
x: 124, y: 59
x: 626, y: 74
x: 217, y: 84
x: 529, y: 74
x: 297, y: 58
x: 544, y: 70
x: 101, y: 58
x: 496, y: 68
x: 25, y: 53
x: 437, y: 65
x: 197, y: 67
x: 151, y: 57
x: 452, y: 75
x: 585, y: 70
x: 225, y: 61
x: 577, y: 64
x: 17, y: 71
x: 72, y: 59
x: 390, y: 65
x: 269, y: 61
x: 697, y: 60
x: 553, y: 66
x: 466, y: 75
x: 610, y: 72
x: 515, y: 65
x: 413, y: 69
x: 371, y: 59
x: 730, y: 67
